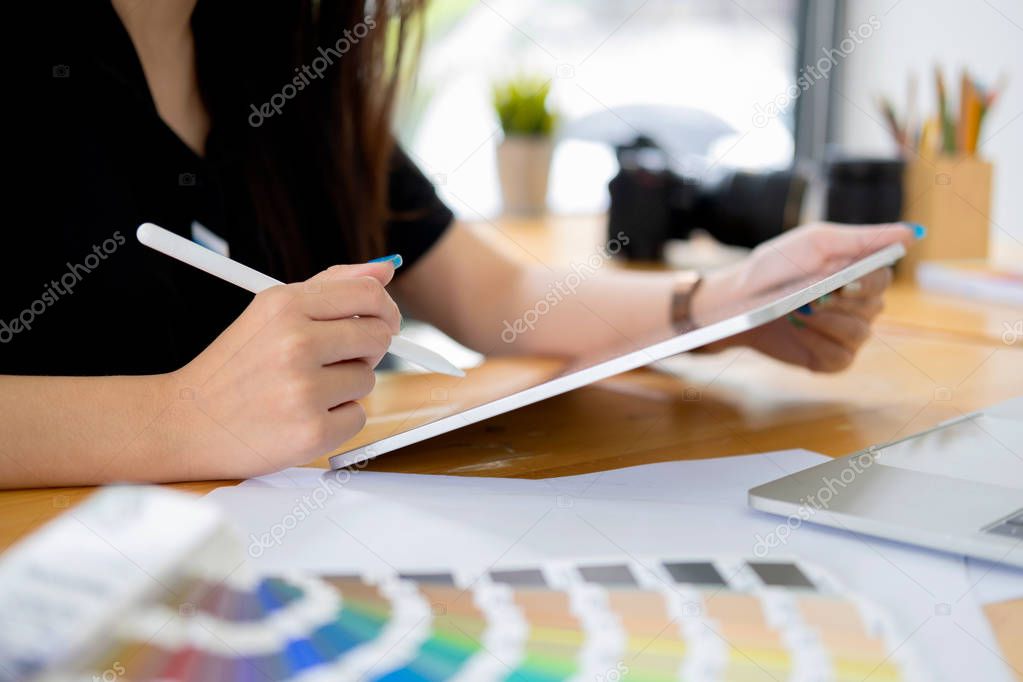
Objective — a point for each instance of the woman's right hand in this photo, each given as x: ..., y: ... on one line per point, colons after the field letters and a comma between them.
x: 278, y: 387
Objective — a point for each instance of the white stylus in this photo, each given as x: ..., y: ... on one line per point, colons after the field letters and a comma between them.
x: 186, y: 251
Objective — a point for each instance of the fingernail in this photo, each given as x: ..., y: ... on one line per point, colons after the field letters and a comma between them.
x: 919, y: 231
x: 395, y: 260
x: 805, y: 310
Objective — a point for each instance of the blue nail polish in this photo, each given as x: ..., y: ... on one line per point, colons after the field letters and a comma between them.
x: 919, y: 231
x: 395, y: 260
x: 805, y: 310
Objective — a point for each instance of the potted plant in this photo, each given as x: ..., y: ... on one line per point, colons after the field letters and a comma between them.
x: 524, y: 155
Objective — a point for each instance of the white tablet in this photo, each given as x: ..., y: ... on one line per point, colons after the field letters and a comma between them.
x: 442, y: 404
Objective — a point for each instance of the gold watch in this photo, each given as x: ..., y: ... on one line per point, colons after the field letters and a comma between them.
x: 686, y: 284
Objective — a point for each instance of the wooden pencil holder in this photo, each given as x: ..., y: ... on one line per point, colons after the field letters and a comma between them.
x: 951, y: 197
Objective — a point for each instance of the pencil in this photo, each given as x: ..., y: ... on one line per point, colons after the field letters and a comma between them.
x: 893, y: 123
x: 928, y: 137
x: 965, y: 99
x: 974, y: 115
x: 909, y: 125
x: 948, y: 134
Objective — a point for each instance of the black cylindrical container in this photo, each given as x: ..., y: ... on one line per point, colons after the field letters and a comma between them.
x: 864, y: 190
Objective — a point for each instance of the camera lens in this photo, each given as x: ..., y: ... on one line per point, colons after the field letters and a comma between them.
x: 864, y: 191
x: 746, y: 208
x: 652, y: 204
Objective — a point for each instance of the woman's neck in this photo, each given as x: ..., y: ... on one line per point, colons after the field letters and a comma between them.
x: 161, y: 32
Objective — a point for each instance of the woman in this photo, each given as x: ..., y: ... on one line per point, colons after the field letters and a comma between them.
x: 263, y: 130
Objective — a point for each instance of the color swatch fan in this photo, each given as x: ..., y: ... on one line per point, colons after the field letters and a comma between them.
x: 648, y: 620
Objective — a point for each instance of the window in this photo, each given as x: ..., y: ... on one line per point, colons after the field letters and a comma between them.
x: 723, y: 56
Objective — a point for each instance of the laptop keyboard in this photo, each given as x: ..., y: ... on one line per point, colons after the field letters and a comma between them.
x: 1012, y: 526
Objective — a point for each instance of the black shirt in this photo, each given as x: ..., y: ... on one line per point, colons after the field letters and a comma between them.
x: 93, y: 160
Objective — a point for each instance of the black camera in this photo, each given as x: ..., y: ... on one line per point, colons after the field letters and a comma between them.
x: 652, y: 203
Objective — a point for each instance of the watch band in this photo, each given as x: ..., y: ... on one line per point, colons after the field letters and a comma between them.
x: 686, y: 284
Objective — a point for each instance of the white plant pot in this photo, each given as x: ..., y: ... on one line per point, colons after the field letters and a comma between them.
x: 523, y: 164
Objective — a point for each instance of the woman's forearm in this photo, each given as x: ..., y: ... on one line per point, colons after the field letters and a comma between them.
x: 82, y: 430
x: 495, y: 304
x: 578, y: 311
x: 278, y: 388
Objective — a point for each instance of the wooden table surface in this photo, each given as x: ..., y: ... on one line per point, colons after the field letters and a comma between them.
x: 931, y: 358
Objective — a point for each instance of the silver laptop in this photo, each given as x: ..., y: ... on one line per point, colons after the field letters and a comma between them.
x: 957, y: 487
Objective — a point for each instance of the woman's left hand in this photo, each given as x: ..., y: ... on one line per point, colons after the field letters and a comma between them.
x: 825, y: 335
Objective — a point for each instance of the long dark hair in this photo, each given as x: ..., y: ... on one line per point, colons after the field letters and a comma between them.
x: 326, y: 73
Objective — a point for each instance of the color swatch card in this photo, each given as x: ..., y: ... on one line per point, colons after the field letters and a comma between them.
x: 64, y: 588
x: 648, y: 620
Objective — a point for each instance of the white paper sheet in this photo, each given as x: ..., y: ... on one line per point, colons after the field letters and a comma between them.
x: 707, y: 481
x: 366, y: 521
x: 991, y: 582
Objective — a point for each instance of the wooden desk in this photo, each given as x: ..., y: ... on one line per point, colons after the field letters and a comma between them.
x: 918, y: 369
x: 935, y: 314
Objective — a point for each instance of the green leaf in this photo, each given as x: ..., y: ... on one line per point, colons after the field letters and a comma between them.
x: 521, y: 106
